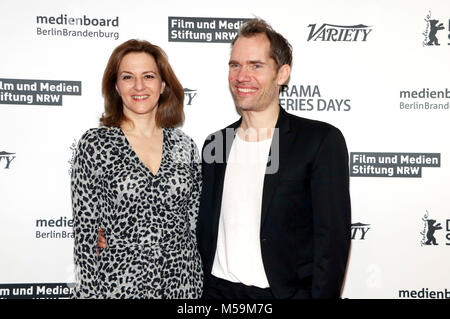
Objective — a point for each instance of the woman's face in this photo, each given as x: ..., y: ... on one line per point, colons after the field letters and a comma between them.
x: 139, y: 84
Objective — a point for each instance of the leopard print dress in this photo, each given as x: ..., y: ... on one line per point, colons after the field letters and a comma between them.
x: 148, y: 220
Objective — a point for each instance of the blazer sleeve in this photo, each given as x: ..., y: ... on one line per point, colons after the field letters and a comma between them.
x: 86, y: 207
x: 194, y: 200
x: 331, y: 215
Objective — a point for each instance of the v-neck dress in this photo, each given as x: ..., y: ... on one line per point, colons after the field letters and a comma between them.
x: 148, y: 220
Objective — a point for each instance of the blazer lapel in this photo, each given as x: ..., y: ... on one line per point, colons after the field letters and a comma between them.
x: 228, y: 134
x: 284, y: 138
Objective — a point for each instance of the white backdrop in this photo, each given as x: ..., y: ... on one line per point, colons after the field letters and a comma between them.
x: 359, y: 82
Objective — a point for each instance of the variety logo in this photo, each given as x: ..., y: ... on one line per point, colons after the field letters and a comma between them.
x: 433, y: 27
x: 189, y: 95
x: 36, y: 92
x: 194, y: 29
x: 309, y: 98
x: 339, y: 33
x: 431, y: 228
x: 6, y: 159
x: 392, y: 164
x: 359, y: 231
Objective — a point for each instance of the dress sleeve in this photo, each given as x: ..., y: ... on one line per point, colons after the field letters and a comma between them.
x: 194, y: 200
x: 85, y: 188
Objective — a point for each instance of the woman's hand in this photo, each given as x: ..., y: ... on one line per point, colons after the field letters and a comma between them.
x: 101, y: 241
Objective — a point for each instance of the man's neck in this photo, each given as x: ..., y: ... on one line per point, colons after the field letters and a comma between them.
x: 259, y: 125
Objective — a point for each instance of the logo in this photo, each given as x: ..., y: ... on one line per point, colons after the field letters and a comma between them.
x: 359, y: 231
x: 73, y: 150
x: 425, y: 99
x: 433, y: 26
x: 6, y: 158
x: 309, y: 98
x: 194, y: 29
x: 424, y: 293
x: 189, y: 96
x: 339, y: 33
x: 429, y: 229
x: 66, y: 26
x: 35, y: 291
x: 53, y: 228
x: 392, y: 164
x: 36, y: 92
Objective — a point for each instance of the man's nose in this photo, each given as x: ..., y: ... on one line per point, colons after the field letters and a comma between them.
x: 243, y: 75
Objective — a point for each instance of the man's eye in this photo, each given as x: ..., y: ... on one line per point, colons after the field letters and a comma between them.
x: 257, y: 66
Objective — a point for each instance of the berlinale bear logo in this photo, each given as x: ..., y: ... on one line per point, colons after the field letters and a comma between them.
x: 430, y: 228
x: 433, y: 26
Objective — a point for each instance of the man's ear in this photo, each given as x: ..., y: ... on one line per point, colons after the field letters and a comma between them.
x: 283, y: 74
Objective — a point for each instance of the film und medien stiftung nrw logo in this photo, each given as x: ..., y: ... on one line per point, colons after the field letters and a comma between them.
x: 432, y: 229
x: 303, y: 97
x: 204, y: 29
x: 339, y: 33
x: 434, y: 34
x: 35, y: 291
x: 84, y: 26
x: 36, y: 92
x: 6, y: 159
x: 391, y: 164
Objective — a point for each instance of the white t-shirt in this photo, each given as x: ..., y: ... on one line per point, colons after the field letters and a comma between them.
x: 238, y: 253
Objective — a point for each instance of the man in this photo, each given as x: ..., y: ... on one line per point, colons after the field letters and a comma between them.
x: 274, y: 218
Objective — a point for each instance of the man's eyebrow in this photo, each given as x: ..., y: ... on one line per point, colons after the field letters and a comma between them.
x: 249, y: 62
x: 256, y: 62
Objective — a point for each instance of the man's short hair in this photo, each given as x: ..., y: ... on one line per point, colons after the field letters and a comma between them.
x: 280, y: 48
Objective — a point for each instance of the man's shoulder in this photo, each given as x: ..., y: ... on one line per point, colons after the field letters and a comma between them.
x: 298, y: 122
x: 311, y: 126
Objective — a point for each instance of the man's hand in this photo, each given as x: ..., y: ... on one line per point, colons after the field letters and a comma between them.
x: 101, y: 241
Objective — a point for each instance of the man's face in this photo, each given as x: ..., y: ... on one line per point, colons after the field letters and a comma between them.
x: 252, y: 76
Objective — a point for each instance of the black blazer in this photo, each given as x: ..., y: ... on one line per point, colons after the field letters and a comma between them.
x: 305, y: 215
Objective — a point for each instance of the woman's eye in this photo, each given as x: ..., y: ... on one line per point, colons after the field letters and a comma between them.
x: 149, y: 76
x: 126, y: 77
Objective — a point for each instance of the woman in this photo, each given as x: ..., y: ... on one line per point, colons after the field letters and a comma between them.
x: 139, y: 180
